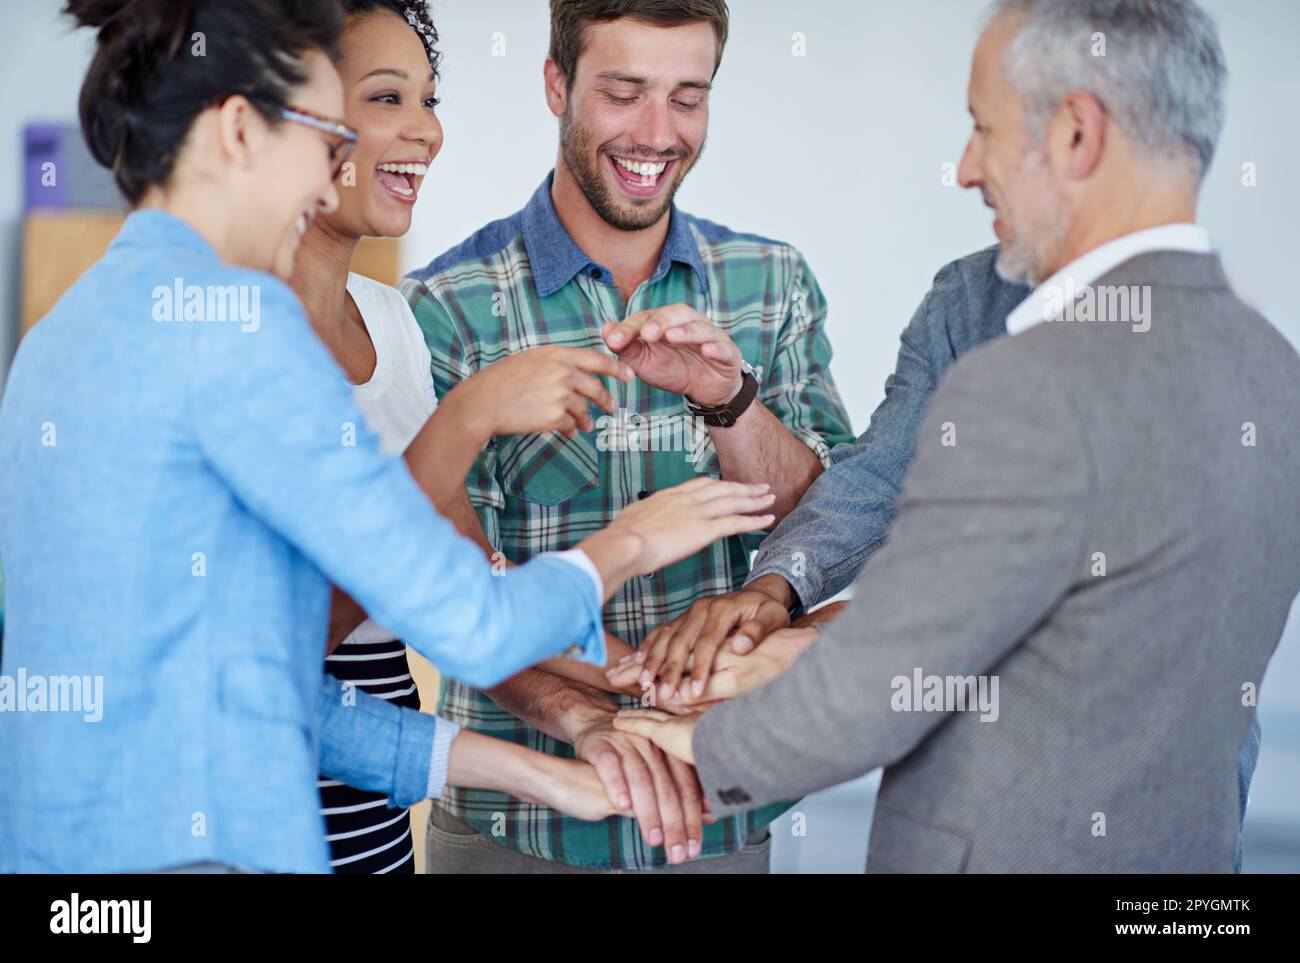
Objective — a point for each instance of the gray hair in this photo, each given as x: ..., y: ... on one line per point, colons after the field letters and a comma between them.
x: 1161, y: 76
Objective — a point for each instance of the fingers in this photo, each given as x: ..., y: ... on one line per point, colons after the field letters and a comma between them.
x: 670, y: 733
x: 671, y: 317
x: 739, y: 525
x: 737, y: 505
x: 714, y: 488
x: 577, y: 410
x: 692, y: 797
x: 769, y: 617
x: 609, y: 768
x: 709, y: 816
x: 585, y: 359
x: 623, y: 334
x: 625, y: 673
x: 641, y: 715
x: 678, y: 645
x: 650, y: 324
x: 651, y: 653
x: 645, y: 797
x: 704, y: 333
x: 723, y: 684
x: 591, y: 387
x: 707, y: 643
x: 671, y: 815
x: 567, y: 425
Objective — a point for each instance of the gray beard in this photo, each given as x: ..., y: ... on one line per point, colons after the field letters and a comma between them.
x: 1014, y: 265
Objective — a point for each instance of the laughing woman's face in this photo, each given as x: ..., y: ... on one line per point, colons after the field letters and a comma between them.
x: 389, y: 100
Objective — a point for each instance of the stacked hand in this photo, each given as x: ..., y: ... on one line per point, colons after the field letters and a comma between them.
x: 733, y: 675
x: 662, y: 792
x: 707, y: 638
x: 695, y: 639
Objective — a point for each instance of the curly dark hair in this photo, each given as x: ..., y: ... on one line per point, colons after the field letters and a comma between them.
x: 414, y: 12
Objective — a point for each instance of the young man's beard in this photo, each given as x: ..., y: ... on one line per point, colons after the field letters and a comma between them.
x: 575, y: 148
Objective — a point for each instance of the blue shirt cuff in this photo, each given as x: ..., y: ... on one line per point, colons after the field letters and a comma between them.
x: 416, y: 742
x: 442, y: 737
x: 591, y: 649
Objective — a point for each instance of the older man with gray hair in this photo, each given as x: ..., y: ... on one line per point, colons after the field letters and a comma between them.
x: 1056, y: 654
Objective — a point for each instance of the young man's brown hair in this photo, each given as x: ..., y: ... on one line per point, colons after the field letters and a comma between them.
x: 570, y: 19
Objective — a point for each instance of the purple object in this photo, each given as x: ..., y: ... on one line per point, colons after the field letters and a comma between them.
x: 60, y: 174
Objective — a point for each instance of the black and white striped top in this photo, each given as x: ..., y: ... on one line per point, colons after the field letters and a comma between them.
x: 365, y: 836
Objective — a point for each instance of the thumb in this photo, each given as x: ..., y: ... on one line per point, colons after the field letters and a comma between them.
x: 673, y: 738
x: 749, y: 635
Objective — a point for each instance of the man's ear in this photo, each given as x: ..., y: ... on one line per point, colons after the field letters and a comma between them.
x: 240, y: 130
x: 557, y: 88
x: 1080, y: 134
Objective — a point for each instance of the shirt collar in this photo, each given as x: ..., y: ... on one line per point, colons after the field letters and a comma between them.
x: 1045, y: 300
x: 556, y: 258
x: 157, y: 227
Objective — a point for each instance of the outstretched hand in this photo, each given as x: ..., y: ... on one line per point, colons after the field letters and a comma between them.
x: 550, y: 388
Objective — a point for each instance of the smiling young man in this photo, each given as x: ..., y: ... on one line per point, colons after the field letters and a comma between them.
x: 725, y: 332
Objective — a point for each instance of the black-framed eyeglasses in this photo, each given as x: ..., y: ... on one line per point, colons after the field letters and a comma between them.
x: 342, y: 138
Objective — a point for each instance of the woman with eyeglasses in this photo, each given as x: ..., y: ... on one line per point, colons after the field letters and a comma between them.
x: 184, y: 471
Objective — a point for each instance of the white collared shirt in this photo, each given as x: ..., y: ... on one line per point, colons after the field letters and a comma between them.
x: 1044, y: 302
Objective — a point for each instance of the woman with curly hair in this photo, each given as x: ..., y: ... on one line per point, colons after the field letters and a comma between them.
x: 388, y: 62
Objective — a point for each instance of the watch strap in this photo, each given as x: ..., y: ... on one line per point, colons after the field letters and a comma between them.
x: 724, y: 416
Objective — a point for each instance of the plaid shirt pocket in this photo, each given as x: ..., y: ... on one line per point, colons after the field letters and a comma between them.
x: 549, y: 468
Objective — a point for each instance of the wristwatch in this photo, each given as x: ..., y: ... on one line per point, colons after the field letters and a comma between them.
x: 724, y: 416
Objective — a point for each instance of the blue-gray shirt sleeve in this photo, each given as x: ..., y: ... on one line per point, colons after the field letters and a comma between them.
x: 820, y: 547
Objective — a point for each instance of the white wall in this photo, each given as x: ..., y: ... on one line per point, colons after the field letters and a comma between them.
x: 839, y: 151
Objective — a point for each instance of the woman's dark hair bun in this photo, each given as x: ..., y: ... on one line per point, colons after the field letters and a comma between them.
x: 95, y: 13
x: 158, y: 63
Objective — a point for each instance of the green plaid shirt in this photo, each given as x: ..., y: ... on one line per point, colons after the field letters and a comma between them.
x: 522, y: 282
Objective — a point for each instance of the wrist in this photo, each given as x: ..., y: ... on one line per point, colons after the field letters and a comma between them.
x: 723, y: 397
x: 484, y: 762
x: 472, y: 418
x: 776, y: 588
x: 532, y: 775
x: 584, y: 716
x: 617, y: 554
